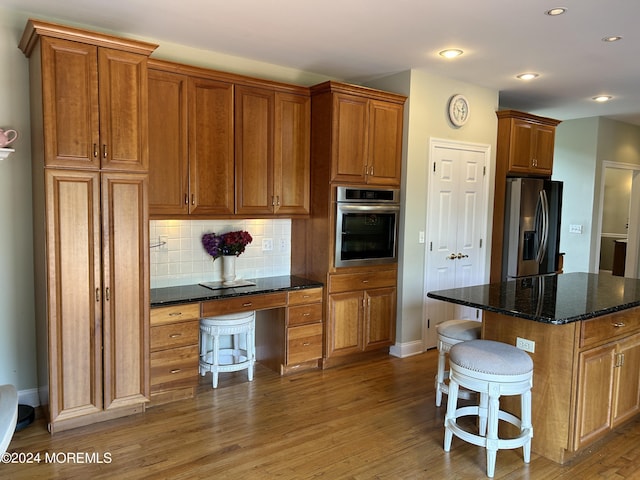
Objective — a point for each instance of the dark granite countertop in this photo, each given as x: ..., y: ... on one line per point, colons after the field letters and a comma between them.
x: 197, y: 293
x: 555, y: 299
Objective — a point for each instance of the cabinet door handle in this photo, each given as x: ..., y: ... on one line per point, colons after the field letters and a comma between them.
x: 365, y: 281
x: 107, y: 295
x: 277, y: 200
x: 176, y: 370
x: 175, y: 335
x: 248, y: 304
x: 306, y: 314
x: 104, y: 150
x: 97, y: 295
x: 306, y: 344
x: 95, y: 150
x: 618, y: 324
x: 193, y: 199
x: 175, y: 314
x: 186, y: 199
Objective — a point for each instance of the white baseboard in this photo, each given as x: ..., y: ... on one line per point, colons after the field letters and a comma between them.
x: 408, y: 349
x: 29, y: 397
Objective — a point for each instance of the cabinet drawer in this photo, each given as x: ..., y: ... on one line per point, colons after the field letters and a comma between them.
x: 174, y: 335
x: 304, y: 343
x: 302, y: 314
x: 243, y: 304
x: 360, y: 281
x: 174, y: 313
x: 174, y: 367
x: 610, y: 326
x: 308, y: 295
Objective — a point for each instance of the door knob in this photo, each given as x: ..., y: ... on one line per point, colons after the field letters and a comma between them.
x: 452, y: 256
x: 460, y: 255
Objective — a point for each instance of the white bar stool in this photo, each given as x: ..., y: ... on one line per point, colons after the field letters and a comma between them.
x: 491, y: 369
x: 450, y: 333
x: 215, y: 359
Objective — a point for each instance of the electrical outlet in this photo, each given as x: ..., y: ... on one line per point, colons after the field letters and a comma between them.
x: 283, y: 245
x: 525, y: 344
x: 163, y: 242
x: 575, y: 228
x: 267, y: 244
x: 421, y: 236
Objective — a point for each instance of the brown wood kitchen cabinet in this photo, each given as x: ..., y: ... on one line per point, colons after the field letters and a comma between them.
x: 94, y: 105
x: 191, y: 143
x: 89, y: 155
x: 224, y: 144
x: 365, y: 131
x: 608, y: 388
x: 272, y: 152
x: 361, y: 312
x: 175, y: 351
x: 526, y: 143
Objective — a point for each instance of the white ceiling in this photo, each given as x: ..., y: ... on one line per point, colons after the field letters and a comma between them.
x: 355, y: 40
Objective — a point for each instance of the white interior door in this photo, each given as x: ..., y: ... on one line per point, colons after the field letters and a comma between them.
x: 456, y: 226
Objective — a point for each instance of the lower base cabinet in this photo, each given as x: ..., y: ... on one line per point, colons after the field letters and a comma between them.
x: 361, y: 313
x: 174, y: 352
x: 608, y: 388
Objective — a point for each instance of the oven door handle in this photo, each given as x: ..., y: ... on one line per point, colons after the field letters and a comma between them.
x: 349, y: 207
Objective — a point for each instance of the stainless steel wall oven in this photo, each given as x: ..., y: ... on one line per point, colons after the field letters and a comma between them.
x: 366, y: 226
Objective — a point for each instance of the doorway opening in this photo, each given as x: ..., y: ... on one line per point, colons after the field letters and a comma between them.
x: 619, y: 220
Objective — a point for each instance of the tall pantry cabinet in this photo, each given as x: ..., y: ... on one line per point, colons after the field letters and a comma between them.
x: 90, y: 169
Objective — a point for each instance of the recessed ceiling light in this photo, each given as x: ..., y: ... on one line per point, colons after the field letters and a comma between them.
x: 527, y: 76
x: 556, y: 11
x: 451, y: 53
x: 602, y: 98
x: 613, y: 38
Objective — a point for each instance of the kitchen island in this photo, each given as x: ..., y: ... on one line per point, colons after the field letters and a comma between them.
x: 583, y: 334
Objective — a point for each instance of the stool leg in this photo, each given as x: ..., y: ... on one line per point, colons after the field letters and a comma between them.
x: 216, y: 360
x: 440, y: 376
x: 482, y: 415
x: 450, y: 416
x: 251, y: 356
x: 525, y: 406
x: 492, y: 428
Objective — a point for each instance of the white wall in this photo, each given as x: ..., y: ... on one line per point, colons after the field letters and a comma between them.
x: 17, y: 337
x: 574, y: 164
x: 425, y: 118
x: 581, y: 147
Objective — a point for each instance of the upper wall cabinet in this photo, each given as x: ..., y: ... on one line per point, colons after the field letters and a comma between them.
x: 224, y: 145
x: 525, y: 143
x: 190, y: 143
x: 272, y: 152
x: 365, y: 128
x: 94, y: 105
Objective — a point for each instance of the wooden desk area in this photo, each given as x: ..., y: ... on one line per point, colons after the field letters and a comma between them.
x: 289, y: 329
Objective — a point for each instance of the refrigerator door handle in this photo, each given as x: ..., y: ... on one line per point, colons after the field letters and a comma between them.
x: 544, y: 234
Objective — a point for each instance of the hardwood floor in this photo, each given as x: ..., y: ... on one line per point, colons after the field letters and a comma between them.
x: 374, y: 420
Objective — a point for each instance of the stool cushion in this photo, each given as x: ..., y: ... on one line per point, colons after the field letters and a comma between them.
x: 490, y: 357
x: 463, y: 330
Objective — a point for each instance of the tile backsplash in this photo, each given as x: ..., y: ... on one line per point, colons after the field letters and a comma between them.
x: 183, y: 260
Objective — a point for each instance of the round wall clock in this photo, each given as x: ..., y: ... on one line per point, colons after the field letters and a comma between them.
x: 458, y: 110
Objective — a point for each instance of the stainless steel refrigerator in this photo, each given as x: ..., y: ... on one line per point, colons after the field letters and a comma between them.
x: 532, y: 227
